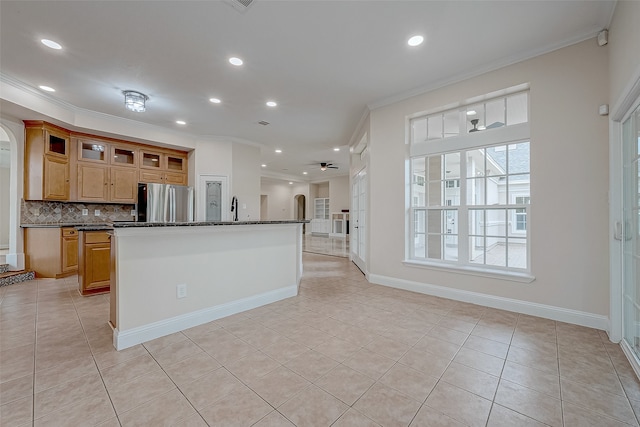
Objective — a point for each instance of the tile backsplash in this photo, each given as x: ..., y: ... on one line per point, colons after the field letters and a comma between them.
x: 41, y: 212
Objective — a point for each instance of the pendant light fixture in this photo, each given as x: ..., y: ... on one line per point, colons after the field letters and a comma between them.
x: 135, y: 101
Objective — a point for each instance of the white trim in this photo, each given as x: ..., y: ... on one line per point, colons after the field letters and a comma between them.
x: 511, y: 60
x: 141, y: 334
x: 201, y: 195
x: 624, y: 106
x: 510, y: 275
x: 519, y: 306
x: 633, y: 360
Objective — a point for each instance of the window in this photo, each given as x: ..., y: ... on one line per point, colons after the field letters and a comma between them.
x: 494, y: 113
x: 470, y: 205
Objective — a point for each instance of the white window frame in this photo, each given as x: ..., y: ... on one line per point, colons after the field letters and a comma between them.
x: 466, y: 142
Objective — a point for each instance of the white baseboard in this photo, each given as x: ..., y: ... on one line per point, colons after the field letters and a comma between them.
x: 525, y: 307
x: 141, y: 334
x: 633, y: 360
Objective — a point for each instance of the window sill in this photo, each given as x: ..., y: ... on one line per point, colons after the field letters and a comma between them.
x: 473, y: 271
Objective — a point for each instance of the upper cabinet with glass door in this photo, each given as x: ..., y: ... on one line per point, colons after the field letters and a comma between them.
x: 95, y: 151
x: 124, y: 155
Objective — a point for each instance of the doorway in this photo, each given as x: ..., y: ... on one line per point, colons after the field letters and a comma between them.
x: 358, y: 220
x: 630, y: 231
x: 264, y: 207
x: 5, y: 200
x: 213, y: 202
x: 300, y: 209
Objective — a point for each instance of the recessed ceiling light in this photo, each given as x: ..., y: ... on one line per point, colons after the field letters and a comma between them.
x: 51, y: 44
x: 236, y: 61
x: 47, y: 88
x: 336, y: 149
x: 471, y: 112
x: 264, y: 166
x: 215, y: 100
x: 290, y: 183
x: 415, y: 41
x: 304, y: 173
x: 271, y: 104
x: 181, y: 122
x: 278, y: 151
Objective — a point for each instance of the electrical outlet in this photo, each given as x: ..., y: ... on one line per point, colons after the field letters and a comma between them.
x: 133, y: 212
x: 181, y: 290
x: 96, y: 212
x: 85, y: 212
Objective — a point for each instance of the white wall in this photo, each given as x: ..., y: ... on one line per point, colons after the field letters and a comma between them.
x: 246, y: 181
x: 569, y: 181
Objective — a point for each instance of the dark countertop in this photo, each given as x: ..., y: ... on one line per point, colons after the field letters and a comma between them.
x: 203, y: 223
x: 77, y: 225
x: 99, y: 226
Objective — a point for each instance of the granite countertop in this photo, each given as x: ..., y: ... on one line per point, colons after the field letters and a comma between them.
x: 203, y: 223
x: 77, y: 225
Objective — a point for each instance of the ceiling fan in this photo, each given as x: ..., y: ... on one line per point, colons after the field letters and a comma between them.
x: 325, y: 166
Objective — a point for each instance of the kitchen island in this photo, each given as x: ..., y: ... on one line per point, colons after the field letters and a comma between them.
x: 167, y: 277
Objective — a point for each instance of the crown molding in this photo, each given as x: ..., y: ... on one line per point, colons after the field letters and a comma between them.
x: 510, y: 60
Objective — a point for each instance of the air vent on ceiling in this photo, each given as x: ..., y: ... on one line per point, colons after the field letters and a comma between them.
x: 263, y: 123
x: 240, y: 5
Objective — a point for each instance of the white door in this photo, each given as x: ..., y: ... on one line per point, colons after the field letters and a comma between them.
x: 631, y: 231
x: 358, y: 220
x: 213, y: 198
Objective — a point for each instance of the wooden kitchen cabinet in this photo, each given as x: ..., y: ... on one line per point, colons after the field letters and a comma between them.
x: 123, y: 185
x: 94, y: 273
x: 47, y: 150
x: 69, y: 250
x: 51, y: 252
x: 69, y: 166
x: 93, y: 183
x: 163, y: 168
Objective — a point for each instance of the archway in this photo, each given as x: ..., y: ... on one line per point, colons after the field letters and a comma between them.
x: 8, y: 135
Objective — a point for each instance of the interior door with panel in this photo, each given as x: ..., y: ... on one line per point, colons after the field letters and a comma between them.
x: 358, y: 222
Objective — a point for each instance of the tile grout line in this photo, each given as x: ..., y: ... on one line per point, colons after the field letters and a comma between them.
x: 93, y: 357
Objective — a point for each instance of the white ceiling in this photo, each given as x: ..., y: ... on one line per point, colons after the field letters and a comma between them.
x: 324, y: 62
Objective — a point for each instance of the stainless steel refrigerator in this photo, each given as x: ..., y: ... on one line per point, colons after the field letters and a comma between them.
x: 165, y: 203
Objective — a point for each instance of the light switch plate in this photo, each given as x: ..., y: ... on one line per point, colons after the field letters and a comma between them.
x: 96, y: 212
x: 85, y: 212
x: 133, y: 212
x: 181, y: 290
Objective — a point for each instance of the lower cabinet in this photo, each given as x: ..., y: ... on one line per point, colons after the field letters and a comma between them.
x: 51, y: 252
x: 95, y: 262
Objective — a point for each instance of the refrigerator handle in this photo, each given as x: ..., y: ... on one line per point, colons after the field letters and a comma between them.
x: 167, y: 205
x: 172, y: 204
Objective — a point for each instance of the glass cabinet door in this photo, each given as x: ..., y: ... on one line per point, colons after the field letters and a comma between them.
x: 124, y: 156
x: 151, y: 160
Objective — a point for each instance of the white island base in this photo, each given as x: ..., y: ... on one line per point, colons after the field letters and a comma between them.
x: 223, y: 269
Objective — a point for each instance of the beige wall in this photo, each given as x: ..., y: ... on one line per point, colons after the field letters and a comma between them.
x: 246, y: 181
x: 279, y: 199
x: 624, y: 37
x: 569, y: 182
x: 339, y: 193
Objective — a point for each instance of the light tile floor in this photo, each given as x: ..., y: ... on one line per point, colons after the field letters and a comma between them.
x: 342, y: 353
x: 326, y: 245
